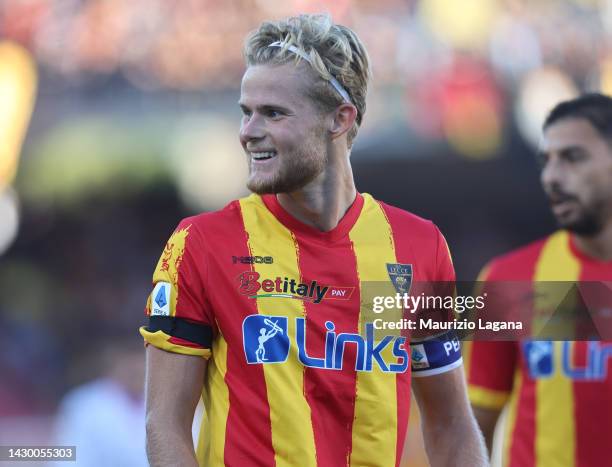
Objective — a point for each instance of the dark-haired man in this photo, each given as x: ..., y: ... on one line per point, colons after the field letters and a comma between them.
x: 559, y: 394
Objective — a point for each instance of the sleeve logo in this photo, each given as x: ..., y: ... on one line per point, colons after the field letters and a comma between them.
x: 160, y: 299
x: 419, y: 357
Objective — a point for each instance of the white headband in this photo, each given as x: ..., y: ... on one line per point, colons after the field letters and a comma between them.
x: 334, y: 82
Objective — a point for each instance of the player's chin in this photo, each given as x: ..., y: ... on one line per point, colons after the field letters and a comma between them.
x: 580, y: 224
x: 262, y: 185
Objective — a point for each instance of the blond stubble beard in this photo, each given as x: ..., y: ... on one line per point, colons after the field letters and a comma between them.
x: 296, y: 170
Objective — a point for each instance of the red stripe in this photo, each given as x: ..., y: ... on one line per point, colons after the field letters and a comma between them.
x: 592, y: 399
x: 593, y: 420
x: 330, y: 393
x: 248, y: 437
x: 520, y: 265
x: 522, y: 447
x: 403, y: 255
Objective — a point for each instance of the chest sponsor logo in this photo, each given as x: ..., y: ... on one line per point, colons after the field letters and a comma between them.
x: 401, y: 276
x: 542, y: 362
x: 265, y: 340
x: 251, y: 283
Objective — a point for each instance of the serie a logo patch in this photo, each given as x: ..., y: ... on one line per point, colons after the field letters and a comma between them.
x: 160, y: 299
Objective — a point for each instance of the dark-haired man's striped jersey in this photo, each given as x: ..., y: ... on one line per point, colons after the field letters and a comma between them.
x: 559, y: 393
x: 296, y: 375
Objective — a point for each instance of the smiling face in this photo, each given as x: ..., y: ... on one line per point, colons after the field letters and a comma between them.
x: 577, y: 175
x: 282, y: 132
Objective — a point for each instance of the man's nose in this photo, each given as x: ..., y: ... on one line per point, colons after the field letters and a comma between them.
x: 251, y: 128
x: 552, y: 173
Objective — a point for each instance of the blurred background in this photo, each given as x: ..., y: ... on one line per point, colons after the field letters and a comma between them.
x: 119, y: 118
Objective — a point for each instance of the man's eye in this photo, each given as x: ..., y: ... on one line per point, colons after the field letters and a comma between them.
x: 274, y: 113
x: 575, y: 156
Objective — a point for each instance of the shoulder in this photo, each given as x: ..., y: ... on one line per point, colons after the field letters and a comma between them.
x: 405, y: 221
x: 227, y: 216
x: 517, y: 264
x: 224, y: 223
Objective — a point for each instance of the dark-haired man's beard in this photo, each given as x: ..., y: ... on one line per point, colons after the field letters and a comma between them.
x: 586, y: 223
x: 295, y: 171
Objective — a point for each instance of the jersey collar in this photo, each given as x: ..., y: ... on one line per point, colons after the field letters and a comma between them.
x: 298, y: 227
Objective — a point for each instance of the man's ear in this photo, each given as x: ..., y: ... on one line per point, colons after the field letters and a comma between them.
x: 344, y: 119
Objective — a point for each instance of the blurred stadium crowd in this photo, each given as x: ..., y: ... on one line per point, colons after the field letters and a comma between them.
x: 120, y: 118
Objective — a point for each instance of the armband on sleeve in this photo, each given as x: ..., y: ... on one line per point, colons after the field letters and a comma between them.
x: 178, y: 335
x: 180, y: 317
x: 435, y: 355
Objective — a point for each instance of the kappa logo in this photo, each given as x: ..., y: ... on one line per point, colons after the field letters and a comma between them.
x: 401, y: 276
x: 249, y: 283
x: 265, y: 340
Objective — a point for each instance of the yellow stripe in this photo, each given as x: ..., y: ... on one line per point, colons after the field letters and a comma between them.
x: 375, y: 424
x: 211, y: 443
x: 487, y: 398
x: 555, y: 431
x: 161, y: 340
x: 167, y: 269
x: 466, y: 345
x: 292, y: 432
x: 511, y: 416
x: 466, y: 352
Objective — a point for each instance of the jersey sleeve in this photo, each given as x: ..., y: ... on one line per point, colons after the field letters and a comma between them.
x: 179, y: 313
x: 440, y: 353
x: 490, y: 365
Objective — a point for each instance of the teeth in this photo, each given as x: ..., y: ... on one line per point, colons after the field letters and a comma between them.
x: 263, y: 155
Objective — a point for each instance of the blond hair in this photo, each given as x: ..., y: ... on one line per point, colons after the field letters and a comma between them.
x: 334, y: 51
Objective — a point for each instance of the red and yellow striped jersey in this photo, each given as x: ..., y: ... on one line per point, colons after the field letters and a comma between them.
x: 559, y: 392
x: 295, y: 376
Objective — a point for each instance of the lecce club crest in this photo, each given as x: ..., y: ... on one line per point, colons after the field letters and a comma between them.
x: 401, y: 276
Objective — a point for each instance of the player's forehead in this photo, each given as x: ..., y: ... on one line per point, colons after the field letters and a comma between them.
x: 281, y: 85
x: 569, y: 132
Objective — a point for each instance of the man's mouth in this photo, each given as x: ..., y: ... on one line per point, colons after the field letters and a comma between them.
x: 558, y: 199
x: 261, y: 156
x: 562, y: 205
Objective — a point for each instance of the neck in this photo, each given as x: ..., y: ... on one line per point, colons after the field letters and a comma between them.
x: 598, y: 246
x: 324, y: 201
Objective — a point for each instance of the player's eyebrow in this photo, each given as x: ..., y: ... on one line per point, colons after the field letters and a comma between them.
x: 566, y: 151
x: 572, y: 149
x: 266, y: 108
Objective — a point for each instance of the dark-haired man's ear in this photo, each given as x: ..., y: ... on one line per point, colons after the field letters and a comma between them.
x: 344, y: 119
